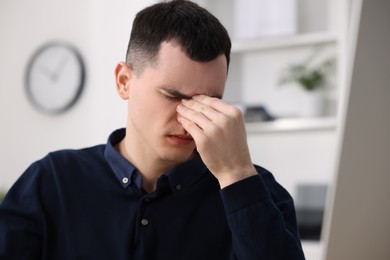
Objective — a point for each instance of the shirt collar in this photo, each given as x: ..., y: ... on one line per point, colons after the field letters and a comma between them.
x: 180, y: 177
x: 124, y: 171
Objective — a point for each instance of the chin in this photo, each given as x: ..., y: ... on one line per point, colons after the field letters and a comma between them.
x: 179, y: 156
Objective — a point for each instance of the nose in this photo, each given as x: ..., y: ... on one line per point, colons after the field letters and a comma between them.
x: 181, y: 130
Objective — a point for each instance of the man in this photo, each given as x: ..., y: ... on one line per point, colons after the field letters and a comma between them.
x: 177, y: 183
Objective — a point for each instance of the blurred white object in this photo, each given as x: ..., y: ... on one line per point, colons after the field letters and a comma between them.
x: 255, y: 19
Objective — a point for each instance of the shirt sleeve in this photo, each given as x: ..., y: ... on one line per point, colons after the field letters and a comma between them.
x: 21, y: 219
x: 261, y: 216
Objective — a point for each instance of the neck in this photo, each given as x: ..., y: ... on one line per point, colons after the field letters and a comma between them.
x: 149, y: 164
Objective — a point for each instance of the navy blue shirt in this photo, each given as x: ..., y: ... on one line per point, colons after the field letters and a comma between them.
x: 89, y: 204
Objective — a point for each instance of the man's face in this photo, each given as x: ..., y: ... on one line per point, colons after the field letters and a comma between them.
x: 153, y: 129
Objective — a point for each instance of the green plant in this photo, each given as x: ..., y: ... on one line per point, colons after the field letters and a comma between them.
x: 307, y: 74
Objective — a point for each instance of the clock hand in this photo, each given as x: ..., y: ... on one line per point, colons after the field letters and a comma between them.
x: 48, y: 73
x: 60, y: 66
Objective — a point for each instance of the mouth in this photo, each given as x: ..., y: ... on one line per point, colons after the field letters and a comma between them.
x: 181, y: 139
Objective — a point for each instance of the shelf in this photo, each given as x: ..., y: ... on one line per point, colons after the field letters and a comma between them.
x: 292, y: 124
x: 284, y: 42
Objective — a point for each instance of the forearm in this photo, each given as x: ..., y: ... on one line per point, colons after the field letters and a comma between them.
x: 260, y: 228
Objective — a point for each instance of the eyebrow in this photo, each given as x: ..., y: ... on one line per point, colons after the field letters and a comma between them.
x: 178, y: 94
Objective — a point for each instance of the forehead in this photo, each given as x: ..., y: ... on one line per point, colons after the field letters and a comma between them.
x: 178, y: 72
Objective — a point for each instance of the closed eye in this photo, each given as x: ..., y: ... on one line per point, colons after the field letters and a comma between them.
x: 172, y: 98
x: 173, y: 95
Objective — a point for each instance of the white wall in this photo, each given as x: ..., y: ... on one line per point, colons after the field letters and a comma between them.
x: 100, y: 30
x: 296, y: 157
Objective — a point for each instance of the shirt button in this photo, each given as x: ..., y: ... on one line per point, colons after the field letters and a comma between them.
x: 178, y: 187
x: 125, y: 180
x: 144, y: 222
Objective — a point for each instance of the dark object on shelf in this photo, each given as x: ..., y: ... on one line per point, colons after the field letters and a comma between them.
x: 310, y: 204
x: 310, y: 223
x: 257, y: 114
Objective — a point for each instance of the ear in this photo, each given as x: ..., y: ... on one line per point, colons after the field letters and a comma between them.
x: 123, y: 77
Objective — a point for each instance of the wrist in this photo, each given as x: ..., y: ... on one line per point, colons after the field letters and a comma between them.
x: 231, y: 177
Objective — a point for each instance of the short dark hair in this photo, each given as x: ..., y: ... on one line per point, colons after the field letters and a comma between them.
x: 200, y: 34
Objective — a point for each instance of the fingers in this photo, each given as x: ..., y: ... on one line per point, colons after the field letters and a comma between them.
x: 217, y: 104
x: 199, y: 111
x: 198, y: 119
x: 192, y: 115
x: 202, y: 107
x: 193, y: 129
x: 212, y: 117
x: 200, y: 114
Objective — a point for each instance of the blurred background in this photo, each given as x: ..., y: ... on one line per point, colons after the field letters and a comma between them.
x: 100, y: 31
x: 286, y: 75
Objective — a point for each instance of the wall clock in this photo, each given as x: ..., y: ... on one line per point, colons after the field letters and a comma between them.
x: 55, y: 77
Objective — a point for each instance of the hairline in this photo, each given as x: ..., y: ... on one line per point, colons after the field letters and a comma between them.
x: 153, y: 60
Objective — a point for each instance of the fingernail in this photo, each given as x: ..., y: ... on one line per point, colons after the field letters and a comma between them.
x: 179, y: 107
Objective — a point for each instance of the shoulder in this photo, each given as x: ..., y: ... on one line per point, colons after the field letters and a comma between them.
x: 43, y: 182
x: 85, y: 155
x: 65, y: 162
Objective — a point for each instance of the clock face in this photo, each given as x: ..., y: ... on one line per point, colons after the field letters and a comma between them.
x: 55, y: 77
